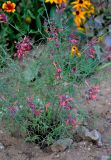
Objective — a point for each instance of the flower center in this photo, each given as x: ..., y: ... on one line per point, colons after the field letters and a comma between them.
x: 81, y: 1
x: 77, y: 12
x: 9, y: 6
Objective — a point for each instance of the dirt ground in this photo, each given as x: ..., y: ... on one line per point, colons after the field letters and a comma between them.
x: 16, y: 149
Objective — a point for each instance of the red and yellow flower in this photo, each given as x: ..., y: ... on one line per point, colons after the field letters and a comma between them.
x: 9, y: 6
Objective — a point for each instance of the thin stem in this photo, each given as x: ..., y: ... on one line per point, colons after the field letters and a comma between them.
x: 16, y: 29
x: 103, y: 66
x: 47, y: 14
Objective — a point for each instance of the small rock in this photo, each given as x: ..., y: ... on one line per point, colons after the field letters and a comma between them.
x: 61, y: 145
x: 57, y: 156
x: 89, y: 149
x: 1, y: 146
x: 1, y: 132
x: 93, y: 135
x: 105, y: 158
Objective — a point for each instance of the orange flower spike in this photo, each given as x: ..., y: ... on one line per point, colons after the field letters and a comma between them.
x: 9, y: 6
x: 74, y: 50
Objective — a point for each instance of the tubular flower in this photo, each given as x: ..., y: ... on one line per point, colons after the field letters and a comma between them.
x: 74, y: 50
x: 81, y: 4
x: 9, y: 6
x: 79, y: 16
x: 22, y: 47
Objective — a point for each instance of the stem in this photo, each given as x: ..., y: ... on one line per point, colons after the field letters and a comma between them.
x: 46, y: 14
x: 107, y: 3
x: 103, y: 66
x: 16, y: 29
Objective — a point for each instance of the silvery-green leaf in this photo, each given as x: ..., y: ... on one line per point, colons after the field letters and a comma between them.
x: 31, y: 71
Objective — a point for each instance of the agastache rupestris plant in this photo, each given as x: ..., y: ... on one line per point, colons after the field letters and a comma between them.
x: 39, y: 93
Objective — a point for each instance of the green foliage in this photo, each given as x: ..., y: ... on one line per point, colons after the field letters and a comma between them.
x: 109, y: 158
x: 50, y: 125
x: 26, y: 20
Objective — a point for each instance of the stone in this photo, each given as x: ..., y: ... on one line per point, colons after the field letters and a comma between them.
x: 93, y: 135
x: 1, y: 147
x: 1, y: 132
x: 61, y: 145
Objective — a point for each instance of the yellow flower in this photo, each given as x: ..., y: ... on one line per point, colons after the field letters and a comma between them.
x: 81, y: 29
x: 81, y: 4
x: 9, y: 6
x: 51, y: 1
x: 74, y: 50
x: 56, y: 1
x: 79, y: 17
x: 61, y: 1
x: 90, y: 10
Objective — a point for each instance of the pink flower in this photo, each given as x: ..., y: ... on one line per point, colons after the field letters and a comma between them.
x: 58, y: 73
x: 73, y: 39
x: 23, y: 47
x: 37, y: 112
x: 65, y: 101
x: 74, y: 70
x: 57, y: 45
x: 3, y: 18
x: 90, y: 53
x: 92, y: 93
x: 61, y: 8
x: 52, y: 39
x: 92, y: 42
x: 13, y: 110
x: 71, y: 121
x: 92, y: 50
x: 47, y: 106
x: 59, y: 70
x: 30, y: 103
x: 32, y: 106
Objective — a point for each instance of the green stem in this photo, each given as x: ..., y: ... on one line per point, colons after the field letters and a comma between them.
x: 103, y: 66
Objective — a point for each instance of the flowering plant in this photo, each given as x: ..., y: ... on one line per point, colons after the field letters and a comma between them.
x: 39, y: 90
